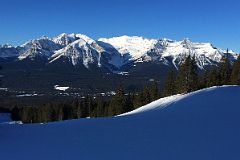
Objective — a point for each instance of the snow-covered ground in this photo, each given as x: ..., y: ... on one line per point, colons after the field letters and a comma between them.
x: 202, y: 125
x: 27, y: 95
x: 5, y: 118
x: 57, y: 87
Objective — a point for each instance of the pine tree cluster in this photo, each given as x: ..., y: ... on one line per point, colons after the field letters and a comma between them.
x: 188, y: 78
x: 88, y: 107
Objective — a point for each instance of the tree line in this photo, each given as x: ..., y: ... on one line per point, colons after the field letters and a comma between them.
x: 189, y: 79
x: 89, y: 106
x: 186, y: 79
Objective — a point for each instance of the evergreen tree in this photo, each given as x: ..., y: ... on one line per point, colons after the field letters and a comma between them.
x: 138, y: 100
x: 154, y: 92
x: 235, y: 76
x: 84, y: 108
x: 128, y: 105
x: 212, y: 78
x: 187, y: 80
x: 99, y: 110
x: 15, y: 114
x: 202, y: 80
x: 225, y: 70
x: 68, y: 111
x: 117, y: 102
x: 146, y: 95
x: 170, y: 88
x: 26, y: 114
x: 193, y: 79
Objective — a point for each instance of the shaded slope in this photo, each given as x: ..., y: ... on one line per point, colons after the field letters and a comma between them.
x: 200, y: 125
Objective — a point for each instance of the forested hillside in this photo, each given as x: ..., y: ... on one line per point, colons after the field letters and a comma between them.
x: 186, y: 80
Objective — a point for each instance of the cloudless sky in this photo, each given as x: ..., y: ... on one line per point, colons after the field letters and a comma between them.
x: 214, y: 21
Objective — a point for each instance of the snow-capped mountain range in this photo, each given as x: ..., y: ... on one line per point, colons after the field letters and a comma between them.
x: 115, y: 52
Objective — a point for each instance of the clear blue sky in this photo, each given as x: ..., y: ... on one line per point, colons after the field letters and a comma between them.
x: 214, y: 21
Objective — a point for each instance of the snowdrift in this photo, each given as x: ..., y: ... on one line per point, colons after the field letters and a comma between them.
x: 202, y: 125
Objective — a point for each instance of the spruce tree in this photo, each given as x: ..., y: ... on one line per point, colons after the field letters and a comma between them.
x: 170, y: 88
x: 154, y: 91
x: 193, y: 80
x: 15, y: 114
x: 225, y: 70
x: 187, y: 79
x: 128, y: 105
x: 138, y: 100
x: 146, y: 95
x: 235, y: 75
x: 100, y: 107
x: 117, y: 102
x: 213, y: 78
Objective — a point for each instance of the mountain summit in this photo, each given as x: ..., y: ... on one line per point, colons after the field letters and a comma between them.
x: 115, y: 53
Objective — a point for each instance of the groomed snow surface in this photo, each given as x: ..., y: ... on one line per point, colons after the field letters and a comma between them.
x: 202, y: 125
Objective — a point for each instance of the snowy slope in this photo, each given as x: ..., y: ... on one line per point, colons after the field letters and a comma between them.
x: 43, y: 47
x: 65, y: 39
x: 204, y: 53
x: 167, y: 101
x: 203, y: 125
x: 135, y: 46
x: 5, y: 117
x: 158, y: 104
x: 141, y: 49
x: 83, y: 50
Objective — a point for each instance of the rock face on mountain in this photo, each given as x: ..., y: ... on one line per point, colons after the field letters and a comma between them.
x: 115, y: 53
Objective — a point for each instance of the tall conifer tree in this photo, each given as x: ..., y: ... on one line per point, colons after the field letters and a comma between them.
x: 170, y: 87
x: 225, y: 70
x: 235, y: 76
x: 187, y: 79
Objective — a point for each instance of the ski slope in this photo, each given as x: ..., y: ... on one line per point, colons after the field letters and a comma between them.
x: 202, y: 125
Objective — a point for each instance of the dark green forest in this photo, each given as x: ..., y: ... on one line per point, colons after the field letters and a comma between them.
x: 187, y: 79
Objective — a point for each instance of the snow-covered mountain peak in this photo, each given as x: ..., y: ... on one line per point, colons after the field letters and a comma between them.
x: 6, y: 46
x: 81, y: 50
x: 166, y: 39
x: 44, y: 42
x: 134, y: 46
x: 186, y: 40
x: 65, y: 39
x: 78, y: 43
x: 40, y: 47
x: 186, y: 43
x: 116, y: 52
x: 86, y: 38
